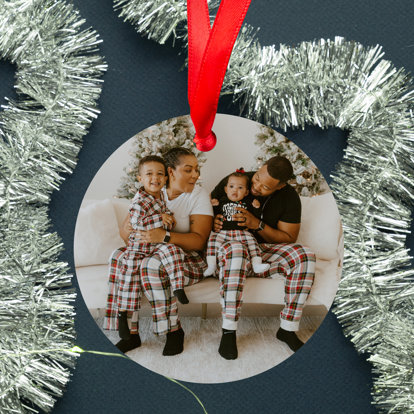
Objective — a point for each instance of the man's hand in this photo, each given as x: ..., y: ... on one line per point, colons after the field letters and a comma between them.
x: 218, y: 223
x: 214, y: 202
x: 247, y: 219
x: 151, y: 236
x: 168, y: 220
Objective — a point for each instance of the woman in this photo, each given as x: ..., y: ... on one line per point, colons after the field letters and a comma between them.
x: 194, y: 215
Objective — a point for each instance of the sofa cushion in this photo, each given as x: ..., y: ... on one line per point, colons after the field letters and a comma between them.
x: 121, y: 206
x: 93, y: 283
x: 320, y: 226
x: 96, y: 233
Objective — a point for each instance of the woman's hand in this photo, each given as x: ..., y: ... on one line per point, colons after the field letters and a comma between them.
x: 151, y: 236
x: 214, y: 202
x: 218, y: 223
x: 247, y: 219
x: 168, y: 220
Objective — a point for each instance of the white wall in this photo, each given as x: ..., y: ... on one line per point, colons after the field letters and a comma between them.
x: 235, y: 148
x: 106, y: 182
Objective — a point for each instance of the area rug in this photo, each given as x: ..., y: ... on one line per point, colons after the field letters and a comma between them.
x: 259, y: 350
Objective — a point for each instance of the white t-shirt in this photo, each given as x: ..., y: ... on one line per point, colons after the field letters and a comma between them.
x: 186, y: 205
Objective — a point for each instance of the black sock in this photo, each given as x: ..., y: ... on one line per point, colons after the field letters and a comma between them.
x: 289, y: 338
x: 181, y: 296
x: 175, y: 343
x: 123, y: 328
x: 125, y: 345
x: 228, y: 345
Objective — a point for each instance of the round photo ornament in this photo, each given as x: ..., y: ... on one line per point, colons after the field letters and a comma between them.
x: 337, y: 83
x: 113, y: 196
x: 254, y: 229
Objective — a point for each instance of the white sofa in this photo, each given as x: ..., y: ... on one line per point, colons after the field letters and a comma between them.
x: 97, y: 235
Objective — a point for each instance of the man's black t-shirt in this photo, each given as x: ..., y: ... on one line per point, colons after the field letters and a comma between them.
x: 283, y: 205
x: 228, y: 208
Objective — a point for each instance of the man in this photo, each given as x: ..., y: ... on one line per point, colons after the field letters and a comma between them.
x: 276, y: 230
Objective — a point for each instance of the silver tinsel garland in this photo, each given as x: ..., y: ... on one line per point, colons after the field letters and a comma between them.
x: 58, y: 81
x: 335, y: 83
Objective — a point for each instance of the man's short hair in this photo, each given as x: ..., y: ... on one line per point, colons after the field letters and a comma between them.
x: 280, y: 168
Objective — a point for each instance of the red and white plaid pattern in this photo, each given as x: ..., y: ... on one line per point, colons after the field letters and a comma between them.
x: 243, y: 236
x: 294, y: 261
x: 172, y: 258
x: 191, y: 265
x: 111, y: 313
x: 146, y: 214
x: 145, y: 211
x: 156, y: 287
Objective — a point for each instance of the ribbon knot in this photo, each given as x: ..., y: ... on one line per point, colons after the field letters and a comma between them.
x: 205, y: 143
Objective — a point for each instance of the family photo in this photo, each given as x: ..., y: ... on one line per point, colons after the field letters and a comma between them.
x: 208, y: 267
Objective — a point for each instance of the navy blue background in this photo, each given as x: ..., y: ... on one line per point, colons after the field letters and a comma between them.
x: 144, y: 85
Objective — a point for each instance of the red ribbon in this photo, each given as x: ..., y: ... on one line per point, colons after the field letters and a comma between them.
x: 209, y: 51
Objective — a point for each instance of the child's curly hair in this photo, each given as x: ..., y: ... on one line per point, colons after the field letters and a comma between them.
x: 151, y: 158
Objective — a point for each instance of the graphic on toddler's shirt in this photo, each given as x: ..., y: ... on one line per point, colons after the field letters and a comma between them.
x: 229, y: 209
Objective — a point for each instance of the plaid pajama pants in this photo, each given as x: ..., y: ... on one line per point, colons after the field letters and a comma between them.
x: 156, y: 287
x: 172, y: 259
x: 294, y: 261
x: 166, y: 254
x: 243, y: 236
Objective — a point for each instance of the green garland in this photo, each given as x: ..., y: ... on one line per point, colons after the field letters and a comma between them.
x: 335, y: 83
x: 58, y: 82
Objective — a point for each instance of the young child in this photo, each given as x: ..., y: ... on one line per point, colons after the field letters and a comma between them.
x: 237, y: 190
x: 147, y: 211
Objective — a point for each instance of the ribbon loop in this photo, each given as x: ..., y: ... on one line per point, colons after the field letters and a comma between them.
x: 209, y: 51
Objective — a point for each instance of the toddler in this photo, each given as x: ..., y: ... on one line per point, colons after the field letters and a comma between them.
x: 148, y: 211
x: 237, y: 190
